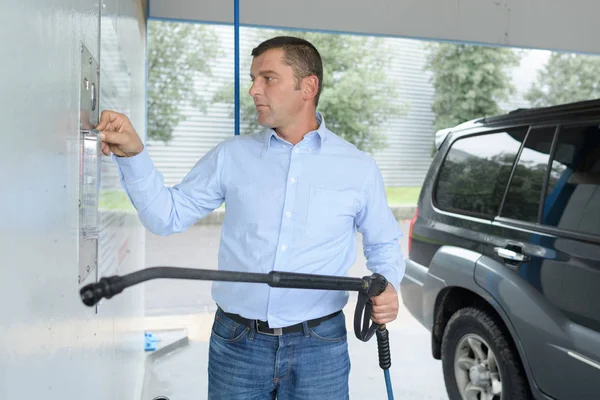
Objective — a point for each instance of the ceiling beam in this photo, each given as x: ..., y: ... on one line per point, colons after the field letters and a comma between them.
x: 545, y: 24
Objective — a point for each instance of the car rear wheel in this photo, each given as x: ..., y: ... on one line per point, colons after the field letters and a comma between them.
x: 479, y: 361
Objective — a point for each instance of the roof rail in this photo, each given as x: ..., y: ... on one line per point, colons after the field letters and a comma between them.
x: 561, y: 110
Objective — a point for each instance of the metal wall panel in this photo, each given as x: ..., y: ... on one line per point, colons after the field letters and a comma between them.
x: 53, y: 347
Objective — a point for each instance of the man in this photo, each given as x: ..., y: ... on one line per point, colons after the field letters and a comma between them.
x: 294, y: 195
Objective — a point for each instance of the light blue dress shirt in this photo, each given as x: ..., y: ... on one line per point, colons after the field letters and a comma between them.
x: 288, y: 208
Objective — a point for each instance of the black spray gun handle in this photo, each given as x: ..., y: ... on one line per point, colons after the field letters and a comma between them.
x: 367, y: 287
x: 364, y: 307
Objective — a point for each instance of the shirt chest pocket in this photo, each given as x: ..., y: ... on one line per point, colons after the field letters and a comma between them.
x: 330, y: 212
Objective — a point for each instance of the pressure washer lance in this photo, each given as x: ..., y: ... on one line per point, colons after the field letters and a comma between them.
x: 367, y: 287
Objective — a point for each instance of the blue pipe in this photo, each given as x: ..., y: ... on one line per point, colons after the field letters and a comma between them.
x: 388, y: 384
x: 236, y: 27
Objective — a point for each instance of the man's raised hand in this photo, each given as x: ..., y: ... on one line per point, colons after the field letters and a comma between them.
x: 118, y: 135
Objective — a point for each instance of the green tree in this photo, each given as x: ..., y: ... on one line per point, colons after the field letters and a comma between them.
x: 357, y: 96
x: 564, y: 79
x: 178, y: 54
x: 469, y: 81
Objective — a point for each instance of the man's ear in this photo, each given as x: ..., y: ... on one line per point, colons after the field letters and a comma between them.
x: 310, y: 87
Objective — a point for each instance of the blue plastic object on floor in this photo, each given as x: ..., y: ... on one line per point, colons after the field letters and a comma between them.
x: 151, y: 341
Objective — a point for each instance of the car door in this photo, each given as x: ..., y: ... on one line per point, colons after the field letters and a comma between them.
x: 548, y: 236
x: 466, y: 193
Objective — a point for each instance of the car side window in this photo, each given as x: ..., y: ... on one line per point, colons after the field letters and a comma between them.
x: 475, y: 172
x: 524, y: 193
x: 572, y: 200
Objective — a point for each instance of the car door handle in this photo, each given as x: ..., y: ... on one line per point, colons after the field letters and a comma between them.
x: 510, y: 254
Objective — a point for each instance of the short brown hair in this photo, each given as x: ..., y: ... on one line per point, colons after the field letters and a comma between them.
x: 300, y: 54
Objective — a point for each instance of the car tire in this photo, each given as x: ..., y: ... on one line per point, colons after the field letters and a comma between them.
x: 478, y: 357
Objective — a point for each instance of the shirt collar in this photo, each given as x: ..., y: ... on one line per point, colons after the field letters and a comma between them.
x: 321, y: 133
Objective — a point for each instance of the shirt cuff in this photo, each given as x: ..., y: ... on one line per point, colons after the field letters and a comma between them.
x: 136, y: 167
x: 394, y: 276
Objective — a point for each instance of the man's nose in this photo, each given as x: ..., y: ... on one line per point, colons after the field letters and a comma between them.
x: 254, y: 89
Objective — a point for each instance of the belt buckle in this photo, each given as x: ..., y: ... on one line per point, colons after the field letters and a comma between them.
x: 276, y: 331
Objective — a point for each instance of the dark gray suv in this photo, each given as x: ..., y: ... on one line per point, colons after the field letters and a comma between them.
x: 504, y: 255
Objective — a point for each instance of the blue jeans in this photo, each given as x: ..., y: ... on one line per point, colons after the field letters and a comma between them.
x: 246, y: 364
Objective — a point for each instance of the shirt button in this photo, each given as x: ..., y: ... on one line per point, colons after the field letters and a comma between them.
x: 283, y: 146
x: 297, y: 150
x: 293, y: 180
x: 287, y: 214
x: 283, y: 247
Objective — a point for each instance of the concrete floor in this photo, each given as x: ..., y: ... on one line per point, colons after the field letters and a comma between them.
x: 181, y: 374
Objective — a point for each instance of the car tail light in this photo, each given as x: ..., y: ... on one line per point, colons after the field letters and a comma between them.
x: 410, y: 230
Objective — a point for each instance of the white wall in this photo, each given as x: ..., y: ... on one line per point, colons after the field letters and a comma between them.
x: 545, y: 24
x: 51, y: 345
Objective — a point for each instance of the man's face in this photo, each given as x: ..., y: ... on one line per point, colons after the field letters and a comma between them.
x: 276, y: 98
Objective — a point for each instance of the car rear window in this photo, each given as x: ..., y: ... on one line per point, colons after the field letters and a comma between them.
x: 572, y: 200
x: 475, y: 172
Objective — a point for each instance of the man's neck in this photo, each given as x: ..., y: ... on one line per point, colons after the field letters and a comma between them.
x: 296, y: 132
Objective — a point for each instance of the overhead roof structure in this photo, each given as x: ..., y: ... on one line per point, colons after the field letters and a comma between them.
x: 557, y: 25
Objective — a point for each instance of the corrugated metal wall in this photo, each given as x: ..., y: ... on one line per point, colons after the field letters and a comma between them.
x: 409, y: 139
x: 200, y: 131
x: 403, y: 162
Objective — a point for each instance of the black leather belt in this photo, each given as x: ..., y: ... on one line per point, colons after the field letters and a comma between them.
x: 263, y: 326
